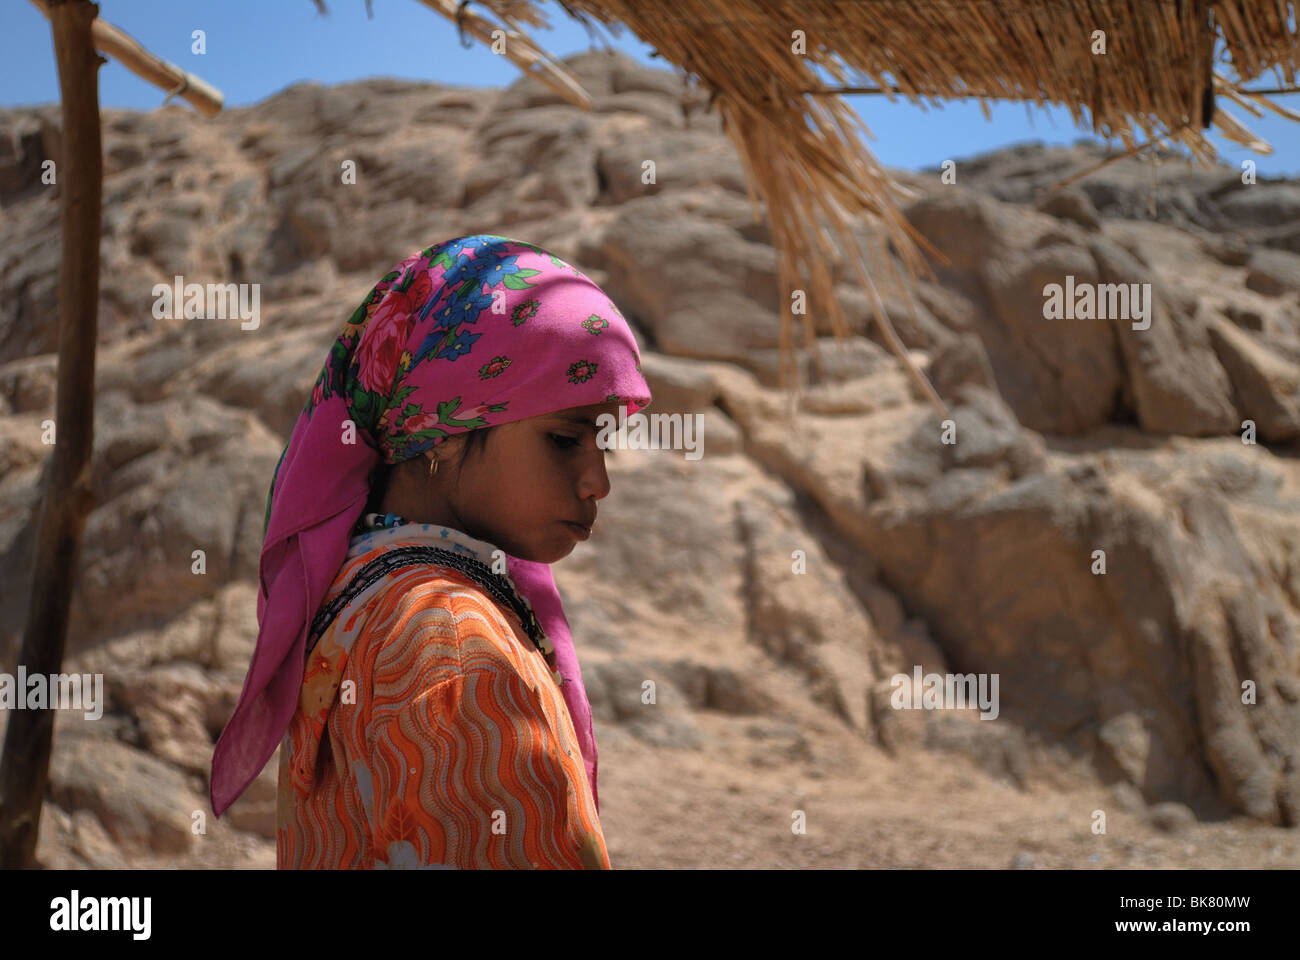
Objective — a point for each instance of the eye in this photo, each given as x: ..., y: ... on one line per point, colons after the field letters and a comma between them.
x: 564, y: 442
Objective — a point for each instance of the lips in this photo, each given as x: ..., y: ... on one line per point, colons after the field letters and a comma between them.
x: 588, y: 524
x: 581, y: 530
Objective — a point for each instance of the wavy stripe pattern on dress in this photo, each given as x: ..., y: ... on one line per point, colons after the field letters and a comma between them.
x: 430, y: 733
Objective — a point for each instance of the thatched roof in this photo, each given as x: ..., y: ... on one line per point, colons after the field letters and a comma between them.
x: 1156, y: 78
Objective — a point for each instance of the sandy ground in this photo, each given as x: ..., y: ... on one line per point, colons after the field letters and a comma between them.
x: 731, y: 804
x: 866, y: 810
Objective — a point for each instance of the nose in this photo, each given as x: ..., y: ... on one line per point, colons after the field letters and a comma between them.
x: 593, y: 483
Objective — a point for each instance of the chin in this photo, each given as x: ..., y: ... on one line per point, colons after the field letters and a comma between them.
x: 558, y: 554
x: 546, y: 554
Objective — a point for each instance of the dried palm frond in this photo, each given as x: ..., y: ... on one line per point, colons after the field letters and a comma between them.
x: 802, y: 151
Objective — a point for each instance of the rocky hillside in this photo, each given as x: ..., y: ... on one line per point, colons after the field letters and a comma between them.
x: 1120, y: 690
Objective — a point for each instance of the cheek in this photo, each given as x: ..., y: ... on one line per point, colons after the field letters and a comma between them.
x: 522, y: 484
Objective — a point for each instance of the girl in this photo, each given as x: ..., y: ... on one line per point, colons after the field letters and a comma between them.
x: 413, y: 659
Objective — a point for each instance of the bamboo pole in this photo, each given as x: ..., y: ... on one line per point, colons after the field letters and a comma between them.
x: 67, y: 497
x: 1130, y: 152
x: 981, y: 94
x: 520, y: 48
x: 204, y: 97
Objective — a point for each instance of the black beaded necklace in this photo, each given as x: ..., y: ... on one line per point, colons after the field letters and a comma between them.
x: 496, y: 585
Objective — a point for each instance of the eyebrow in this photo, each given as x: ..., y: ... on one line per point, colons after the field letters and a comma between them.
x: 574, y: 418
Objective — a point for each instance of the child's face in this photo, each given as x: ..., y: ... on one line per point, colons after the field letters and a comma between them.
x: 517, y: 490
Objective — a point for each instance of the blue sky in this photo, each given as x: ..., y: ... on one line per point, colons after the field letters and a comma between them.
x: 257, y: 47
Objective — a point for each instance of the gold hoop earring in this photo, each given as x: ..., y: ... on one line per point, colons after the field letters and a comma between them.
x: 433, y: 466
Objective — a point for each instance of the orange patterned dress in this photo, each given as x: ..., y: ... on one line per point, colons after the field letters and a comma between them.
x: 430, y: 732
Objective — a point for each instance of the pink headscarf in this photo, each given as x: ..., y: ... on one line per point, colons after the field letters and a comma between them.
x: 397, y: 382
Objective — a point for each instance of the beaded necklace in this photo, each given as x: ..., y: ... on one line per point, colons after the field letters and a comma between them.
x: 497, y: 585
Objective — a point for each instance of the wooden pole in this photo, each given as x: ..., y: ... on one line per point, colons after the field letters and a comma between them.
x: 982, y: 95
x: 520, y: 48
x: 204, y: 97
x: 67, y: 497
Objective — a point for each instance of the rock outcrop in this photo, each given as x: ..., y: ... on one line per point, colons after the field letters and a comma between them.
x: 1109, y: 524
